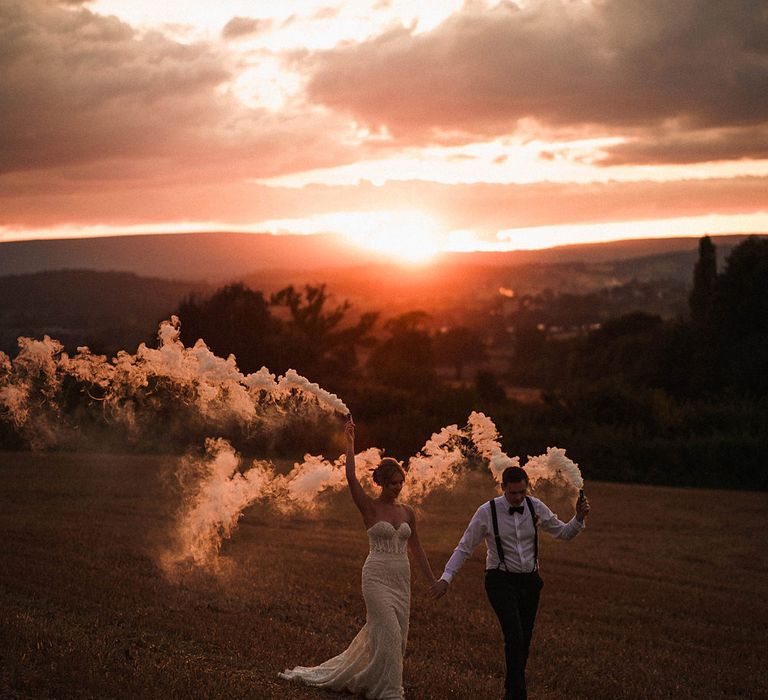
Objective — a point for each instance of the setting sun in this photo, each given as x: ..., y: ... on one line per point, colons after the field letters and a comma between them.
x: 404, y: 235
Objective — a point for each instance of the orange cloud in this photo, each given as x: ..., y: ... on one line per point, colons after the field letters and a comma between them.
x: 695, y: 69
x: 105, y: 124
x: 484, y: 208
x: 82, y: 91
x: 77, y: 86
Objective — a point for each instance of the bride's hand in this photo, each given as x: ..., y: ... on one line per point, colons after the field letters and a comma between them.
x: 349, y: 432
x: 439, y: 589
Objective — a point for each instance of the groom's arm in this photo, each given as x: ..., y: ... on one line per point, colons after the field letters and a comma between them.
x: 551, y: 524
x: 475, y: 532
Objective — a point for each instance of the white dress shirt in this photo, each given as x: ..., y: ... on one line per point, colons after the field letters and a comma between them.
x: 517, y: 536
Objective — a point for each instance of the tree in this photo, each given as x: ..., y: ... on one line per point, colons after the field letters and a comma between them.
x: 626, y: 347
x: 316, y: 342
x: 704, y: 280
x: 632, y: 324
x: 741, y: 317
x: 405, y: 359
x: 234, y: 320
x: 488, y: 387
x: 742, y: 289
x: 459, y: 346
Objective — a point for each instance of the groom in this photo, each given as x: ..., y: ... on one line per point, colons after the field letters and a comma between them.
x: 510, y: 524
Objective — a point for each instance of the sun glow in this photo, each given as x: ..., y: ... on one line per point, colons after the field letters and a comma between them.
x: 537, y: 237
x: 406, y: 235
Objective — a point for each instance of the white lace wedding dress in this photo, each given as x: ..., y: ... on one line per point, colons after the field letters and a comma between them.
x: 372, y: 665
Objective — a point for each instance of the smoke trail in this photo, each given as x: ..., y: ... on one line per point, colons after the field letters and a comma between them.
x: 29, y: 382
x: 170, y: 393
x: 173, y: 391
x: 555, y: 467
x: 293, y: 380
x: 451, y: 451
x: 217, y: 488
x: 216, y: 501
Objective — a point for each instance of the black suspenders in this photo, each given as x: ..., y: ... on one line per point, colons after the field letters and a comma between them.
x: 499, y: 548
x: 497, y: 537
x: 535, y: 533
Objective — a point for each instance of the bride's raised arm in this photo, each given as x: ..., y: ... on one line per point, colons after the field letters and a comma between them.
x: 361, y: 499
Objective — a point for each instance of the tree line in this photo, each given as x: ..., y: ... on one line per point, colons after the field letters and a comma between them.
x: 678, y: 401
x: 640, y: 398
x: 632, y: 397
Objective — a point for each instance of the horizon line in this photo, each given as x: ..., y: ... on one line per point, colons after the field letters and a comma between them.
x: 497, y: 248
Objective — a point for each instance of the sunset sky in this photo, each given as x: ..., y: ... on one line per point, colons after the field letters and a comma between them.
x: 407, y: 127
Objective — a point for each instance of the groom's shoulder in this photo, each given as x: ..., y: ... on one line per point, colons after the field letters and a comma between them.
x: 484, y: 507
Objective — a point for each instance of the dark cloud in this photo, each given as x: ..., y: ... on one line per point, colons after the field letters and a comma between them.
x: 82, y: 92
x: 690, y: 147
x: 618, y: 65
x: 77, y: 86
x: 244, y: 26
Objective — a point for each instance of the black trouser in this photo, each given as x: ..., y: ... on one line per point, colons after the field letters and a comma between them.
x: 515, y: 600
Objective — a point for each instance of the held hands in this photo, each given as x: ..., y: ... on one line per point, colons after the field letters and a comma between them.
x: 439, y: 589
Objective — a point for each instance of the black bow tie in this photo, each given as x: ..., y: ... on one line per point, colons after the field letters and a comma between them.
x: 516, y: 509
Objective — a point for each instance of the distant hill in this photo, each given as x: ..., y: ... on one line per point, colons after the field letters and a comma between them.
x: 112, y: 310
x: 223, y: 256
x: 188, y: 256
x: 602, y: 252
x: 464, y: 280
x: 109, y: 311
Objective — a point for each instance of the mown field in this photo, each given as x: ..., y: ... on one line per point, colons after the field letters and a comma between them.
x: 663, y: 596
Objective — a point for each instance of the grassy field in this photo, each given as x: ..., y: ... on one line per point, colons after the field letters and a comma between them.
x: 663, y: 596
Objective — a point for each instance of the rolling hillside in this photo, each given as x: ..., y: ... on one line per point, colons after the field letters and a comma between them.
x: 111, y: 293
x: 222, y: 256
x: 108, y: 311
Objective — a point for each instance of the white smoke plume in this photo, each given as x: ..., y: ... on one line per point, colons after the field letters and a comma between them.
x: 29, y: 381
x: 152, y: 388
x: 225, y: 489
x: 218, y: 487
x: 555, y: 467
x: 485, y: 436
x: 147, y: 391
x: 293, y: 380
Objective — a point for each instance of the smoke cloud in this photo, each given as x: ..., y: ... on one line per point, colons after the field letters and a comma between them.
x: 157, y: 397
x: 222, y: 487
x: 52, y: 400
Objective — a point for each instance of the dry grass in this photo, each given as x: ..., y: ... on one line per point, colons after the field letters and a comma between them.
x: 663, y: 596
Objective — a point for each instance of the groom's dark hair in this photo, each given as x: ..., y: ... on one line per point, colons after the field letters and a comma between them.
x: 511, y: 475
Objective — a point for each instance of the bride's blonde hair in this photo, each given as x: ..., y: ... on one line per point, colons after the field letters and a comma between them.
x: 386, y: 469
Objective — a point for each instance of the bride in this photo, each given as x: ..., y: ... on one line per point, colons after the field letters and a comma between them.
x: 372, y: 665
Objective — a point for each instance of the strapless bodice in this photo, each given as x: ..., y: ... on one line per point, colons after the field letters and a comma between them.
x: 385, y: 538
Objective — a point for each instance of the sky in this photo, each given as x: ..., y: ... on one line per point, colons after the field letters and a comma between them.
x: 406, y: 127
